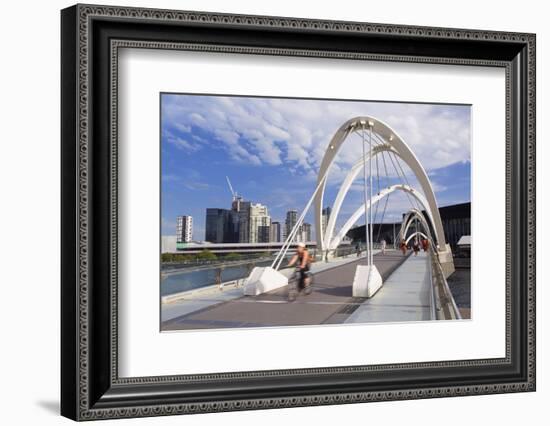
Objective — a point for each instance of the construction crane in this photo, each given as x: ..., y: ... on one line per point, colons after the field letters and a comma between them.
x: 235, y: 195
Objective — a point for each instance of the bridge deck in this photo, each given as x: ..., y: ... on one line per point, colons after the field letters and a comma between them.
x: 330, y: 302
x: 405, y: 296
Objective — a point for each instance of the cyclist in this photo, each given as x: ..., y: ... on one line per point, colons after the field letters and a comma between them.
x: 302, y: 260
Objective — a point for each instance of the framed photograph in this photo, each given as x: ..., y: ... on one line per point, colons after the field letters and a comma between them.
x: 263, y: 212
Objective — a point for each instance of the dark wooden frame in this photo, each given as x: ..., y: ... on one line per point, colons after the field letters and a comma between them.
x: 90, y: 39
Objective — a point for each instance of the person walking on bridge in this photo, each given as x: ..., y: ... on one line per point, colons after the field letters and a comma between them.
x: 403, y: 247
x: 383, y: 246
x: 302, y: 259
x: 416, y: 247
x: 425, y: 244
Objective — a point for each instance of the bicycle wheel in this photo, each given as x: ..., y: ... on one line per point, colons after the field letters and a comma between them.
x: 309, y: 287
x: 292, y: 290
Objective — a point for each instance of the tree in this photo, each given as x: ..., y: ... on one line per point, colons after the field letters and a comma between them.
x: 233, y: 256
x: 206, y: 255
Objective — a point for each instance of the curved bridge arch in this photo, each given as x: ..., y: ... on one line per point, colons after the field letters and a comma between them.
x: 408, y: 220
x: 344, y: 189
x: 361, y: 210
x: 390, y: 137
x: 415, y: 234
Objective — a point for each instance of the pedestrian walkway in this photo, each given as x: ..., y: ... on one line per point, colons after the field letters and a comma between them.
x: 187, y: 305
x: 194, y: 300
x: 330, y: 301
x: 405, y: 295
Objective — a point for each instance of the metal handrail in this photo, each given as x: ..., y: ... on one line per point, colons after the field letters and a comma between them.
x: 448, y: 299
x: 440, y: 280
x: 434, y: 300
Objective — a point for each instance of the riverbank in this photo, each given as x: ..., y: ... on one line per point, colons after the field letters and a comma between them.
x: 167, y: 268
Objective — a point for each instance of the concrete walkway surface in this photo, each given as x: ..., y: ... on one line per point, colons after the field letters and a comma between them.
x: 330, y: 302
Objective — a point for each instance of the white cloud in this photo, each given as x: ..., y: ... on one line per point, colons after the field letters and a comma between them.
x: 198, y: 119
x: 182, y: 128
x: 296, y: 133
x: 196, y: 186
x: 181, y: 143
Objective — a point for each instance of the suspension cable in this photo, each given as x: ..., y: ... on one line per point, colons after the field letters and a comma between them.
x: 382, y: 218
x: 398, y: 174
x: 286, y: 245
x: 370, y: 198
x: 365, y: 196
x: 406, y: 180
x: 378, y: 192
x: 379, y: 142
x: 400, y: 178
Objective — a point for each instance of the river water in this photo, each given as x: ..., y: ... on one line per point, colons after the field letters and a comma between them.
x: 190, y: 280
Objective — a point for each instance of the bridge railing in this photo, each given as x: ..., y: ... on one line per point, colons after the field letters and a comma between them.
x: 444, y: 302
x: 435, y: 303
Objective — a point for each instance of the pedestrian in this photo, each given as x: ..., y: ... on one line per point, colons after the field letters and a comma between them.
x: 383, y: 246
x: 416, y: 247
x: 425, y: 244
x: 358, y: 249
x: 403, y: 247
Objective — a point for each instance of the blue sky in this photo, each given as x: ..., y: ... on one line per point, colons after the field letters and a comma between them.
x: 271, y: 150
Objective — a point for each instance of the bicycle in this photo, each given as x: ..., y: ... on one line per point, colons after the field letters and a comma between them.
x: 294, y: 285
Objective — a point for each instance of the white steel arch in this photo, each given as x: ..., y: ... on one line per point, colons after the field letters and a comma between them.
x: 335, y: 241
x: 407, y: 221
x: 344, y: 188
x: 415, y: 234
x: 390, y: 137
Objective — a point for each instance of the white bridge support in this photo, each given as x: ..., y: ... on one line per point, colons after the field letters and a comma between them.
x: 393, y: 143
x: 262, y: 280
x: 367, y: 281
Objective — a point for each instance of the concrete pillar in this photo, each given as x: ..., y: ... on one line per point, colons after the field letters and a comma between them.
x: 446, y: 260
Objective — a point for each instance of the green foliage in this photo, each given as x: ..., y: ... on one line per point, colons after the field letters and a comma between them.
x: 206, y: 255
x: 232, y: 256
x: 177, y: 258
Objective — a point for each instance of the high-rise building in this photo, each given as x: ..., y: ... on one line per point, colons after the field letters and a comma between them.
x: 220, y: 226
x: 264, y: 233
x: 243, y: 215
x: 259, y: 217
x: 291, y: 218
x: 275, y: 233
x: 184, y: 229
x: 214, y: 225
x: 232, y: 235
x: 236, y: 203
x: 306, y: 232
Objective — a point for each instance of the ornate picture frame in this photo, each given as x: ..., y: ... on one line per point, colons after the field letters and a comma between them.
x: 91, y: 37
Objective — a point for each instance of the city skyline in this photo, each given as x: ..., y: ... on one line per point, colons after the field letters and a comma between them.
x: 275, y: 231
x: 270, y: 148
